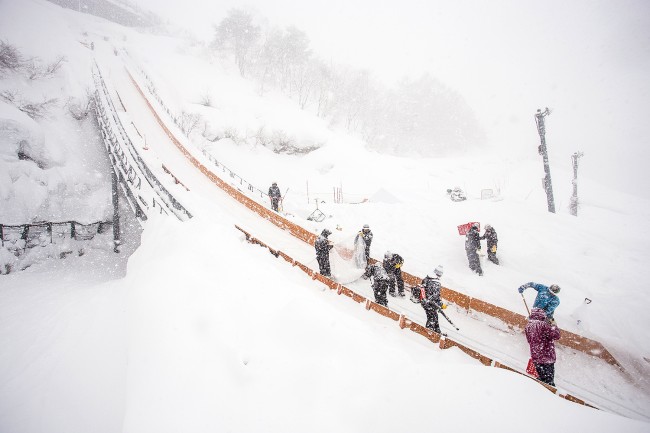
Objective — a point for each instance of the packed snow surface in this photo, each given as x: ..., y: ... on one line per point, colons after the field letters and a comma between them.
x: 200, y: 331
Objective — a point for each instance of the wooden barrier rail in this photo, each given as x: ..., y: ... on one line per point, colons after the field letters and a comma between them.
x: 403, y: 321
x: 569, y: 339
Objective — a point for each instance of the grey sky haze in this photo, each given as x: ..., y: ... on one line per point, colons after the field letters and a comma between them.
x: 587, y: 60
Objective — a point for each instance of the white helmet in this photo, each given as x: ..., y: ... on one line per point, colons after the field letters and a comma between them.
x: 388, y: 255
x: 438, y: 270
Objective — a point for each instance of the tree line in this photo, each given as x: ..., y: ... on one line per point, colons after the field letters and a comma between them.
x: 415, y: 116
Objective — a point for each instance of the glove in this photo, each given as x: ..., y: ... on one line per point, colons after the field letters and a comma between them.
x: 443, y: 306
x: 494, y: 248
x: 521, y: 289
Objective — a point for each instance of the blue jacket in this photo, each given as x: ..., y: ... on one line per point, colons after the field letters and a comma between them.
x: 546, y: 300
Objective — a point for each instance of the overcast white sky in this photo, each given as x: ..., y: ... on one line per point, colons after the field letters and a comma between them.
x: 587, y: 60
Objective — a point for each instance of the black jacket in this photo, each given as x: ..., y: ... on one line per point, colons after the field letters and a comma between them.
x: 274, y: 192
x: 473, y: 240
x: 322, y: 246
x: 431, y: 294
x: 393, y: 263
x: 491, y: 237
x: 377, y: 272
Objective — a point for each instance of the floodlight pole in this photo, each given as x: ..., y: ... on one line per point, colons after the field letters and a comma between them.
x: 541, y: 129
x: 574, y: 197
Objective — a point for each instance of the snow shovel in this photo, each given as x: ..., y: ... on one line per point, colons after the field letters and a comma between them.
x: 281, y: 204
x: 524, y: 299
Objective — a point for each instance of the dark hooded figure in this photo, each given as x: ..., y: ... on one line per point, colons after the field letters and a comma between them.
x: 323, y: 248
x: 490, y: 236
x: 393, y: 265
x: 275, y: 195
x: 379, y: 282
x: 472, y: 245
x: 430, y: 298
x: 541, y: 336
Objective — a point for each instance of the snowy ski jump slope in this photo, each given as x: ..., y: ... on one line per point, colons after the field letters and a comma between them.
x: 591, y: 379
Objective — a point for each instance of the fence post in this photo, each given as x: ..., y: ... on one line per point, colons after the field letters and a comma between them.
x: 116, y: 211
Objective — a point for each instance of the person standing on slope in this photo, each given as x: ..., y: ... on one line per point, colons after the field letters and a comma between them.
x: 546, y: 298
x: 492, y: 240
x: 541, y: 335
x: 323, y: 247
x: 430, y: 299
x: 472, y: 245
x: 379, y: 282
x: 365, y: 235
x: 275, y: 195
x: 393, y: 265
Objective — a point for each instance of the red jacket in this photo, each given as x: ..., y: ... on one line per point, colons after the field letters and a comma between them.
x: 541, y: 336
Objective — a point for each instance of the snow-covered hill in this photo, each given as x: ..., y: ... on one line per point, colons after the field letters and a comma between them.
x: 207, y: 333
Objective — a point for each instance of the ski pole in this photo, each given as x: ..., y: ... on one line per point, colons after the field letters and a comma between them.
x: 526, y: 304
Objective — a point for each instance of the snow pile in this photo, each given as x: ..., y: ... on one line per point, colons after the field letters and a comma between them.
x: 52, y: 164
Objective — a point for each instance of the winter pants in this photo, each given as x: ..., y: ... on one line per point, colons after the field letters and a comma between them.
x: 324, y: 265
x: 546, y: 373
x: 492, y: 256
x: 396, y: 277
x: 274, y: 203
x: 379, y: 287
x: 474, y: 262
x: 432, y: 319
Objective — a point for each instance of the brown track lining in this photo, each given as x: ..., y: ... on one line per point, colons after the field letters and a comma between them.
x: 569, y: 339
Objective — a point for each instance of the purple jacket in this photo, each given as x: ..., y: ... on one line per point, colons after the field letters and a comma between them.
x: 540, y: 335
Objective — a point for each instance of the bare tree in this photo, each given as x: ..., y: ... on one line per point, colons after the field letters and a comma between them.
x: 423, y: 116
x: 353, y: 96
x: 268, y: 66
x: 36, y: 70
x: 188, y: 122
x: 10, y: 57
x: 324, y: 87
x: 9, y: 95
x: 238, y: 35
x: 295, y: 54
x: 206, y: 99
x: 37, y: 110
x: 53, y: 67
x: 80, y: 108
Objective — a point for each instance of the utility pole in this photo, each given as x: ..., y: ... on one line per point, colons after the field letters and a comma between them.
x: 574, y: 197
x: 541, y: 129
